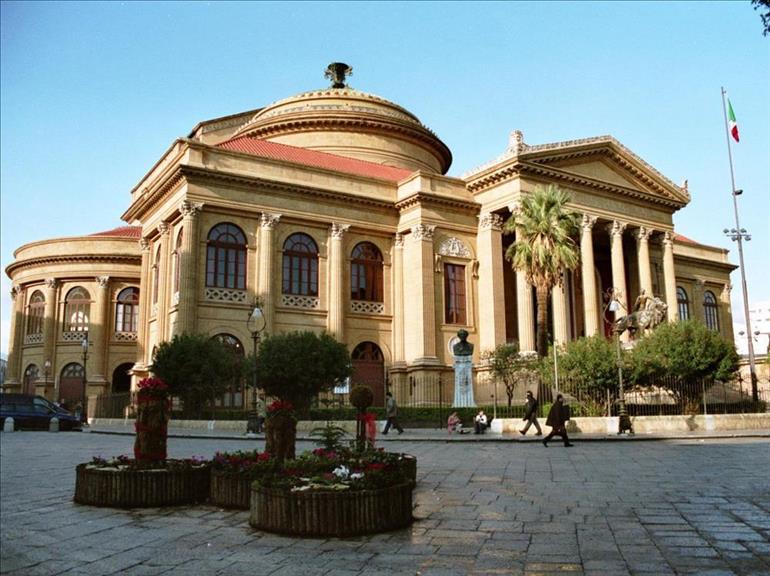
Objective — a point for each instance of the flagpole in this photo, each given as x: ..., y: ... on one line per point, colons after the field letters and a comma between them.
x: 737, y: 235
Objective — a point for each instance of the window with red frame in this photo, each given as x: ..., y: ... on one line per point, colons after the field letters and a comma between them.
x: 454, y: 294
x: 36, y: 313
x: 127, y: 310
x: 366, y: 273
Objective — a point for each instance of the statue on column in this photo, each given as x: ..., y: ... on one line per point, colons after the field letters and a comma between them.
x: 463, y: 354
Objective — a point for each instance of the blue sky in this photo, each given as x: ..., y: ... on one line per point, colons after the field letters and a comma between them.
x: 94, y: 93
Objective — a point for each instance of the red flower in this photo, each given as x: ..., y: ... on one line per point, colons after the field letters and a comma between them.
x: 280, y: 405
x: 152, y: 384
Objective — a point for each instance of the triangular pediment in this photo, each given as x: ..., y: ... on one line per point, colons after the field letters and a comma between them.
x: 600, y: 171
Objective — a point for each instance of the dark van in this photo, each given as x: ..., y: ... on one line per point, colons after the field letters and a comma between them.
x: 34, y: 413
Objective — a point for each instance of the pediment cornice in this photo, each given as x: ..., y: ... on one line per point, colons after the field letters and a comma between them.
x: 433, y: 200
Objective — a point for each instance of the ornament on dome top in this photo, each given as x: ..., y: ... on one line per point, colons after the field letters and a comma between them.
x: 337, y: 73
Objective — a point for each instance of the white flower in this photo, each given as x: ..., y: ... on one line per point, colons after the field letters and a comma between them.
x: 356, y: 475
x: 341, y: 472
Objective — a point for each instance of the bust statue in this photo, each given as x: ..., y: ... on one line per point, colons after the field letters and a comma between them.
x: 463, y: 347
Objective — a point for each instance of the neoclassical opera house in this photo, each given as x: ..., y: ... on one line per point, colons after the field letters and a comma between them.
x: 333, y: 206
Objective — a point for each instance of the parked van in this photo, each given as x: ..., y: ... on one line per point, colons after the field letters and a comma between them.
x: 34, y: 413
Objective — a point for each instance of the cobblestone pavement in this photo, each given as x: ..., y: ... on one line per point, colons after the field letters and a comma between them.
x: 656, y: 508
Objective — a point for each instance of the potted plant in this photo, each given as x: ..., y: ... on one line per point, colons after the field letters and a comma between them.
x: 232, y: 474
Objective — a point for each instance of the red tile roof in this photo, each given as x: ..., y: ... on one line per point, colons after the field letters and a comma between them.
x: 684, y: 239
x: 276, y: 151
x: 122, y: 232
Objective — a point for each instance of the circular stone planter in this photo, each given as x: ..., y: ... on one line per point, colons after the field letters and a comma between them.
x: 409, y: 466
x: 326, y: 514
x: 229, y: 490
x: 125, y: 488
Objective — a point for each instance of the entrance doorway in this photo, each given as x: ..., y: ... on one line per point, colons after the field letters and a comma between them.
x: 121, y: 379
x: 369, y: 369
x: 71, y: 385
x: 31, y: 375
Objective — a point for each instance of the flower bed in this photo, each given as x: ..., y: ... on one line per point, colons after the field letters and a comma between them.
x: 232, y: 474
x: 330, y: 513
x: 124, y: 483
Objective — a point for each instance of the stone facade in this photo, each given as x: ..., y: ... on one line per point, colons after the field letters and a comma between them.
x: 334, y: 208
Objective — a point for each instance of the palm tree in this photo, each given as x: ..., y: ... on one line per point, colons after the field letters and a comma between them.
x: 544, y: 247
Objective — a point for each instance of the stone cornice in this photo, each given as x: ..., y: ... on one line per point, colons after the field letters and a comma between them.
x: 152, y: 198
x: 704, y: 262
x: 72, y: 259
x: 432, y: 200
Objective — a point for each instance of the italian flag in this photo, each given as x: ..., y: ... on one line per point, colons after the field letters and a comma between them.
x: 732, y: 124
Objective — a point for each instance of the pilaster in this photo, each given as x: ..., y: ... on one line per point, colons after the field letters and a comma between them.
x: 13, y: 375
x: 398, y: 299
x: 145, y: 298
x: 419, y: 296
x: 98, y: 332
x: 491, y: 320
x: 336, y: 317
x: 265, y: 278
x: 164, y: 277
x: 51, y: 293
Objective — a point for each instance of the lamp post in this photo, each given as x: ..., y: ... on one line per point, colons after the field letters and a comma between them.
x: 613, y: 305
x: 255, y: 323
x: 84, y: 401
x: 738, y: 235
x: 46, y: 370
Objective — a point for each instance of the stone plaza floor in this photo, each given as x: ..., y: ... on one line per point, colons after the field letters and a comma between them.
x: 698, y: 506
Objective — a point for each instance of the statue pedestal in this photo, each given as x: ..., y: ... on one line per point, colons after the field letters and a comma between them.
x: 463, y: 382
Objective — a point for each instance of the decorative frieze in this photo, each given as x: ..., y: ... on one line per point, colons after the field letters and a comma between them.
x: 226, y: 295
x: 303, y: 302
x: 454, y: 247
x: 423, y: 232
x: 364, y: 307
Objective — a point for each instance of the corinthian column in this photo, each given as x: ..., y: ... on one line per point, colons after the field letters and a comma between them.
x: 13, y: 380
x: 51, y: 293
x: 188, y: 268
x: 98, y: 331
x: 590, y: 313
x: 491, y: 320
x: 643, y: 256
x: 398, y: 298
x: 618, y: 268
x: 336, y: 318
x: 559, y: 304
x: 164, y: 279
x: 419, y: 296
x: 145, y: 298
x: 669, y: 276
x: 265, y: 283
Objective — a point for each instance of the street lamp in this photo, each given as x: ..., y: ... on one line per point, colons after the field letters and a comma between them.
x: 613, y: 305
x: 46, y: 369
x: 256, y: 324
x: 84, y: 401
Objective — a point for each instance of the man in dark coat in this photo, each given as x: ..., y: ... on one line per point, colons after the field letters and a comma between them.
x: 557, y: 420
x: 531, y: 415
x: 391, y: 414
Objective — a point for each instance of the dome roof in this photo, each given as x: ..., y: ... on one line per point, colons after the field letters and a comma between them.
x: 351, y: 123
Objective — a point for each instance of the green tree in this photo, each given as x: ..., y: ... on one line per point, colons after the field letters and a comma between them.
x: 761, y: 5
x: 510, y: 367
x: 544, y: 247
x: 298, y: 365
x: 677, y: 356
x: 588, y: 368
x: 197, y: 369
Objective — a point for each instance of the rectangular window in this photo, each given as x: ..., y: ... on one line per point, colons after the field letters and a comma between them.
x: 454, y: 294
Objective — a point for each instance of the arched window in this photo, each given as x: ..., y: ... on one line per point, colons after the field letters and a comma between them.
x: 156, y: 276
x: 710, y: 310
x: 366, y: 273
x: 31, y: 375
x: 300, y: 266
x: 77, y: 309
x: 36, y: 313
x: 226, y: 257
x: 454, y: 294
x: 177, y: 260
x: 683, y: 303
x: 127, y: 310
x: 233, y: 396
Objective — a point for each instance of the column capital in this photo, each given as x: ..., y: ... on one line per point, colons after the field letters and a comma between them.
x: 515, y: 207
x: 269, y: 221
x: 398, y: 240
x: 643, y: 234
x: 103, y: 281
x: 163, y: 228
x: 51, y: 283
x: 668, y: 238
x: 491, y: 221
x: 15, y: 291
x: 338, y: 230
x: 190, y: 209
x: 145, y: 245
x: 587, y: 223
x: 616, y: 228
x: 423, y: 232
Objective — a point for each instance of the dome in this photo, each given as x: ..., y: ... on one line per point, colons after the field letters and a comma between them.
x: 351, y: 123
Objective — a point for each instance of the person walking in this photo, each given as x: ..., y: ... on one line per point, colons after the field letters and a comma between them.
x: 261, y: 415
x: 557, y: 420
x: 531, y: 415
x: 391, y: 414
